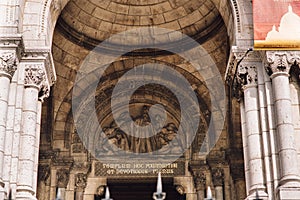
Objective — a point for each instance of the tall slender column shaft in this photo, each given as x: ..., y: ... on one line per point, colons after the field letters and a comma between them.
x: 7, y: 69
x: 285, y: 128
x: 35, y: 78
x: 252, y: 138
x: 279, y: 64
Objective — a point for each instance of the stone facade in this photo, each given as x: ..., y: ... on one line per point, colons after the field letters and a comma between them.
x: 43, y: 45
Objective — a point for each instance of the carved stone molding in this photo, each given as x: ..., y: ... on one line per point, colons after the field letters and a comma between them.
x: 80, y: 181
x: 8, y: 63
x: 62, y: 178
x: 218, y: 176
x: 43, y: 172
x: 84, y: 167
x: 281, y: 61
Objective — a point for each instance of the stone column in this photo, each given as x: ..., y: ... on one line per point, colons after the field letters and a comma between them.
x: 247, y: 77
x: 218, y: 177
x: 80, y: 184
x: 278, y: 66
x: 7, y: 69
x: 35, y: 83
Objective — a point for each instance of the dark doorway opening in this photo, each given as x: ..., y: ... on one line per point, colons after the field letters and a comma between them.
x: 137, y: 190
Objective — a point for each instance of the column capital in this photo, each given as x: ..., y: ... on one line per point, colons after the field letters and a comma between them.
x: 8, y: 63
x: 80, y: 181
x: 62, y: 178
x: 246, y: 77
x: 199, y: 180
x: 217, y: 176
x: 241, y: 70
x: 281, y: 61
x: 39, y: 70
x: 10, y: 52
x: 198, y: 170
x: 35, y: 76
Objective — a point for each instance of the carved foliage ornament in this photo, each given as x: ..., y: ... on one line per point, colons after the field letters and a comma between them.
x: 281, y: 61
x: 247, y: 75
x: 218, y: 175
x: 80, y: 181
x: 35, y: 75
x: 8, y: 63
x: 199, y: 180
x: 62, y: 177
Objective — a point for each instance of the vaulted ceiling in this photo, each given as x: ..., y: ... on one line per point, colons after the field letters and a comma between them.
x: 84, y: 24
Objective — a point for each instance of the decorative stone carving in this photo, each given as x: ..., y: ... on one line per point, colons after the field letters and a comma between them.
x: 281, y: 61
x: 35, y: 74
x: 8, y: 63
x: 114, y: 136
x: 247, y: 75
x: 80, y: 181
x: 82, y: 166
x: 43, y: 172
x: 199, y: 179
x: 62, y: 177
x: 180, y: 189
x: 46, y: 56
x: 100, y: 190
x: 218, y: 176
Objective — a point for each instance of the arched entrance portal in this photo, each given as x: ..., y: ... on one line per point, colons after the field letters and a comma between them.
x: 77, y: 168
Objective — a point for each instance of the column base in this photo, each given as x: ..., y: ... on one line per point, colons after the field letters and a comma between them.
x: 290, y: 181
x: 261, y: 194
x: 288, y: 192
x: 25, y: 192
